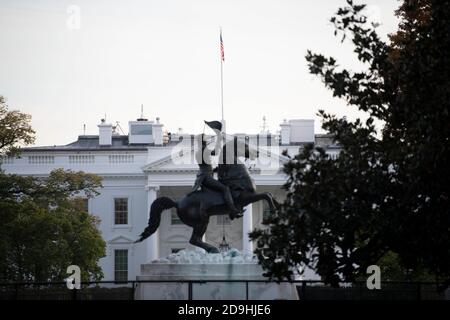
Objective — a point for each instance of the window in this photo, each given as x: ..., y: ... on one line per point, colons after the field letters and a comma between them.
x: 141, y: 130
x: 120, y: 211
x: 86, y: 204
x: 224, y: 219
x: 175, y: 220
x: 266, y: 210
x: 175, y: 250
x: 121, y: 265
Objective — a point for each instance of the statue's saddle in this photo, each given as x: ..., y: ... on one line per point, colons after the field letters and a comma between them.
x: 213, y: 198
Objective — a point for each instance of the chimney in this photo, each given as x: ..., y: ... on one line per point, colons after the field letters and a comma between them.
x: 157, y: 133
x: 301, y: 131
x: 105, y: 133
x: 285, y: 132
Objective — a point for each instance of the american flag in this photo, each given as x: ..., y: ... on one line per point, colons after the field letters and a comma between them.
x: 222, y: 51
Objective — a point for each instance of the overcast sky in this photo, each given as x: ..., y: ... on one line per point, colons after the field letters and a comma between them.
x: 165, y: 54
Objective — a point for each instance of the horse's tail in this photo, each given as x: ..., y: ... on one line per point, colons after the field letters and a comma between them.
x: 158, y: 206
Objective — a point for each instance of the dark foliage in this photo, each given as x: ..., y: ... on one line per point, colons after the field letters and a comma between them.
x: 388, y: 191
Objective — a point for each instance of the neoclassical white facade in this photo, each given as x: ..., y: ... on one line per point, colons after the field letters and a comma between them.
x: 149, y: 163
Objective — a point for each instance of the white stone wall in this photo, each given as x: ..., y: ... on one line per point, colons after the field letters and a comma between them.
x: 122, y: 236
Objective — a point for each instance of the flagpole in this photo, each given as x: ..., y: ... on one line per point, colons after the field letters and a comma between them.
x: 222, y: 58
x: 221, y: 72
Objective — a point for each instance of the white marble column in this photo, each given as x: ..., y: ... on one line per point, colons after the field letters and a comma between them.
x: 153, y: 241
x: 247, y: 226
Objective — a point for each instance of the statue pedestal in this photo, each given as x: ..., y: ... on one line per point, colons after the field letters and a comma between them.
x: 225, y: 270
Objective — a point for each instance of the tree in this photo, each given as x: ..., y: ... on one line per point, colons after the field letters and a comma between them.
x: 386, y: 195
x: 15, y: 130
x: 45, y: 227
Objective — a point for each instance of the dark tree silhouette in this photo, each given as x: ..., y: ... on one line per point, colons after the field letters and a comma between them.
x: 388, y: 191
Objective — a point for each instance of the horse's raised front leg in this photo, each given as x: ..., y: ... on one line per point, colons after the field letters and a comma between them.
x: 267, y: 196
x: 197, y: 235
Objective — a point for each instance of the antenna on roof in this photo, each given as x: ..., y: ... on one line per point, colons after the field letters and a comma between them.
x: 142, y: 114
x: 264, y: 126
x: 84, y: 129
x: 120, y: 128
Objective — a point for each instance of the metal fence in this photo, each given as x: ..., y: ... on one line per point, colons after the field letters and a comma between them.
x: 306, y: 289
x: 358, y: 291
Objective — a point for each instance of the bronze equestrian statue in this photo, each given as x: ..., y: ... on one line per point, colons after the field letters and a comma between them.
x: 195, y: 208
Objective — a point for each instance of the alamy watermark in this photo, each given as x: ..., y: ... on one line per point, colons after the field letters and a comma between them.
x: 73, y: 21
x: 261, y: 151
x: 374, y: 280
x: 74, y: 280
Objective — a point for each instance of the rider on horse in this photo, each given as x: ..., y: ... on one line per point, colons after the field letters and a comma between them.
x: 205, y: 176
x: 195, y: 208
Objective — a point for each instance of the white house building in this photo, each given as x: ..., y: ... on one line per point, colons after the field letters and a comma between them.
x: 148, y: 163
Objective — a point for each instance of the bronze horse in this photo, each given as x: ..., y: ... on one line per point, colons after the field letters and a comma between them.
x: 231, y: 172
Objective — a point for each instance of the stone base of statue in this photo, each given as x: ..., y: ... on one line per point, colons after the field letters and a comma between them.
x: 214, y: 272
